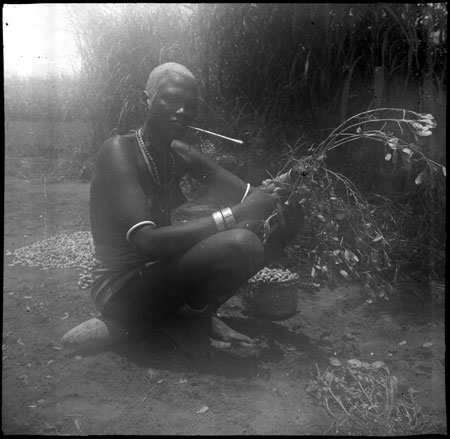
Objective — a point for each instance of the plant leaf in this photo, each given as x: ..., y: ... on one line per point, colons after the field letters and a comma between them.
x: 335, y: 362
x: 428, y: 122
x: 351, y: 256
x: 377, y: 364
x: 347, y: 255
x: 354, y: 362
x: 344, y: 273
x: 419, y: 178
x: 393, y: 142
x: 424, y: 133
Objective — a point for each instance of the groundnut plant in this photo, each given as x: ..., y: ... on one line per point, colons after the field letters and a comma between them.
x: 348, y: 237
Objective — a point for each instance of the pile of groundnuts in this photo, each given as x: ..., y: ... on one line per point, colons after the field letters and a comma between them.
x: 75, y: 250
x: 64, y: 250
x: 273, y: 275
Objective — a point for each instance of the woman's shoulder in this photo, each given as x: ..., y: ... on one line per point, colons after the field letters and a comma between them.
x: 118, y: 144
x: 117, y: 150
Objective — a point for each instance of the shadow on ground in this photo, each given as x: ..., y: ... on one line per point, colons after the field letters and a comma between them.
x: 155, y: 350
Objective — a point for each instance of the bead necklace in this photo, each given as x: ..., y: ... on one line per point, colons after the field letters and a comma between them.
x: 151, y: 165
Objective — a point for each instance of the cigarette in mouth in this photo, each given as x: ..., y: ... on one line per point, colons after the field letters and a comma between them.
x: 240, y: 142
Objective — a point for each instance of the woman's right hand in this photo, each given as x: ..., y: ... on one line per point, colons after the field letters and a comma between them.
x: 258, y: 205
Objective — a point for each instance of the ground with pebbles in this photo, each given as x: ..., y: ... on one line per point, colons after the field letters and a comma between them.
x: 147, y: 386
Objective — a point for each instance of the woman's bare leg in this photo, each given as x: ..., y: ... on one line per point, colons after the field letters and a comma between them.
x: 215, y: 267
x: 211, y: 271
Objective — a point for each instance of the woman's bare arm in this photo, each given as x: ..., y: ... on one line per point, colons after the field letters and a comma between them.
x: 118, y: 164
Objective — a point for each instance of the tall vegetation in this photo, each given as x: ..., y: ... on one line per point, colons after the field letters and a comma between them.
x: 303, y: 64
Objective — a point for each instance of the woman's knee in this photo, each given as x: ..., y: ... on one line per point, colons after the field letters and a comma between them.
x: 243, y: 245
x: 236, y: 250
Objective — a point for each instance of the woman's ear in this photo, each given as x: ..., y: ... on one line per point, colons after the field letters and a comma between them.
x: 145, y: 99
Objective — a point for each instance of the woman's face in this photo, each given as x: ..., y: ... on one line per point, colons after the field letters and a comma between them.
x: 173, y: 107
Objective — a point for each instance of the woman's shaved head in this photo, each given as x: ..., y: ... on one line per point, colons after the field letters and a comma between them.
x: 172, y: 99
x: 160, y: 74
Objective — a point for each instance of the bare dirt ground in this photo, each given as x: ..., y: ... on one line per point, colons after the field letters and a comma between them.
x: 148, y: 387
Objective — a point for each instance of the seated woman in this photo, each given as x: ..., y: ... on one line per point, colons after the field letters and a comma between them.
x: 150, y: 270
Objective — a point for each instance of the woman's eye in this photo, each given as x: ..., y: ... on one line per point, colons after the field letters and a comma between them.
x: 175, y: 103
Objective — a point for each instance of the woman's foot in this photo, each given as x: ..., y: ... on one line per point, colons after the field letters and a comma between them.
x: 221, y: 331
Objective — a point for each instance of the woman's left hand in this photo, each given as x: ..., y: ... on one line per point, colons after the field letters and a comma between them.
x: 254, y: 226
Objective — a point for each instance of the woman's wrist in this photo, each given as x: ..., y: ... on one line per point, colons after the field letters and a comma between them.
x: 238, y: 211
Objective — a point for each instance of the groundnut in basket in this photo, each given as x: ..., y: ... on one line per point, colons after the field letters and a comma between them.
x: 272, y: 293
x: 272, y: 275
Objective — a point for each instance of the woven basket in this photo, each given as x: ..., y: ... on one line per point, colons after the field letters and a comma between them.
x: 274, y: 301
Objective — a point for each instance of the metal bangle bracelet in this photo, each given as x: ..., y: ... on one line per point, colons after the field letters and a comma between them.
x: 228, y: 217
x: 219, y: 221
x: 246, y: 192
x: 137, y: 226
